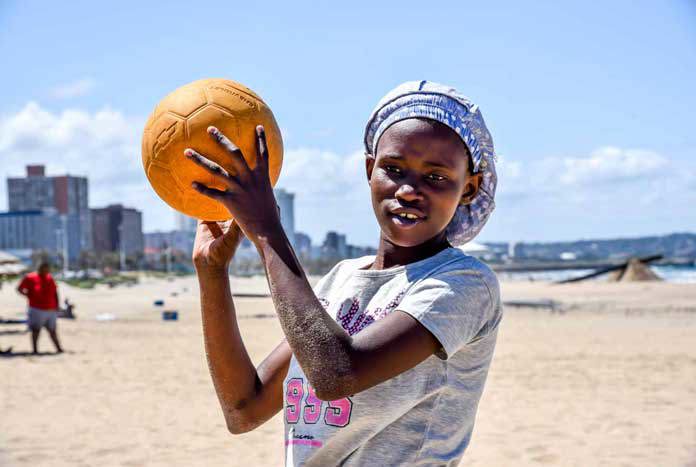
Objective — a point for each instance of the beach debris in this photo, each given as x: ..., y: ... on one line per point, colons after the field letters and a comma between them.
x: 170, y: 315
x: 159, y: 302
x: 620, y: 270
x: 634, y: 271
x: 105, y: 317
x: 13, y: 321
x: 545, y: 303
x: 67, y: 310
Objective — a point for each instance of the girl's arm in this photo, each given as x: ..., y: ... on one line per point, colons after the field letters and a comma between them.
x: 248, y: 396
x: 336, y: 364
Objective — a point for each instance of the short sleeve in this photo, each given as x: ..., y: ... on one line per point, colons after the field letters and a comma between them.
x: 456, y: 306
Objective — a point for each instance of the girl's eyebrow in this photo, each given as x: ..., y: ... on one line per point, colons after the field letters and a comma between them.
x: 426, y: 163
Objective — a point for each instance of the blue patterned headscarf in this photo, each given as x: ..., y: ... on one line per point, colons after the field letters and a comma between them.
x: 425, y: 99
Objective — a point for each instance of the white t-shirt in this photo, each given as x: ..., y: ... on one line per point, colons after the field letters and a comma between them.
x: 425, y: 415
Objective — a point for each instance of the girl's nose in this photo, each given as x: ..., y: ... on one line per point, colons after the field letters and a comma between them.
x: 408, y: 192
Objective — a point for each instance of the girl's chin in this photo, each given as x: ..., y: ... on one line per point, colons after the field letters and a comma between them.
x: 408, y: 235
x: 406, y: 238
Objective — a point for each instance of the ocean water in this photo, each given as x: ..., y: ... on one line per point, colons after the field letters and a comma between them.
x: 683, y: 274
x: 679, y: 274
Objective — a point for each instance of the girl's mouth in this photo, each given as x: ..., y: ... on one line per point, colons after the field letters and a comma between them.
x: 405, y: 221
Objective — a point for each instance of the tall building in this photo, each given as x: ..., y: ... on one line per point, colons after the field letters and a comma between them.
x: 303, y: 244
x: 286, y: 203
x: 185, y: 223
x: 117, y: 228
x: 31, y: 230
x: 31, y: 193
x: 335, y: 245
x: 67, y: 194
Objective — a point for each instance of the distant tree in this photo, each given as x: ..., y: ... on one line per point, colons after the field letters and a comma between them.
x: 135, y: 260
x: 87, y: 259
x: 108, y: 260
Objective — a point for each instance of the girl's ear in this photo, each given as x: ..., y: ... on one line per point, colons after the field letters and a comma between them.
x: 369, y: 165
x: 471, y: 188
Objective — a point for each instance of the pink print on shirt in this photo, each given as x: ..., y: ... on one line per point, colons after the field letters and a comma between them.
x: 299, y: 401
x: 353, y: 322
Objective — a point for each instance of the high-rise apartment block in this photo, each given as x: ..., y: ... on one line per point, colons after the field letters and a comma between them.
x: 118, y: 229
x: 31, y: 230
x: 303, y: 244
x: 286, y: 203
x: 335, y: 245
x: 67, y: 195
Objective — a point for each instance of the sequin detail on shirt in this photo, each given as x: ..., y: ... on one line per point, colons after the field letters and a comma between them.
x: 353, y: 321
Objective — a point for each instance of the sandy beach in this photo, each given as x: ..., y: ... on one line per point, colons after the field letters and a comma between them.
x: 610, y: 381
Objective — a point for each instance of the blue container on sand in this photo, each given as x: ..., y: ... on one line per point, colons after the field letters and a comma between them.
x: 170, y: 315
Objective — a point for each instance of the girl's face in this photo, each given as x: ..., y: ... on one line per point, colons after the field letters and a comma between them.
x: 418, y: 178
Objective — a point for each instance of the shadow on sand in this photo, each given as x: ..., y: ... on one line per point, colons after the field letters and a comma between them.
x: 10, y: 354
x: 13, y: 331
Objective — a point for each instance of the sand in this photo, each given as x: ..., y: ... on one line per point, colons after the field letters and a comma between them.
x: 611, y: 381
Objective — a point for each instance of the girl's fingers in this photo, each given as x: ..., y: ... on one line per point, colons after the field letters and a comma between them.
x: 233, y: 233
x: 261, y: 150
x: 230, y: 147
x: 214, y: 169
x: 214, y: 228
x: 217, y: 195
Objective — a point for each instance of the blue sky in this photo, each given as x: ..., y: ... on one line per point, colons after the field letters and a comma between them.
x: 590, y: 103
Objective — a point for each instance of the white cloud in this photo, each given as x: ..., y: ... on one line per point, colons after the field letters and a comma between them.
x: 609, y: 192
x: 77, y: 88
x: 331, y: 193
x: 611, y: 164
x: 605, y: 167
x: 324, y: 174
x: 104, y: 146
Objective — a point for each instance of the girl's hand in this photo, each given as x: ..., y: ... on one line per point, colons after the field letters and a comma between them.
x: 215, y: 244
x: 248, y: 195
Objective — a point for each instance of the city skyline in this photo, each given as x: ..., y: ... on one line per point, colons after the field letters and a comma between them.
x: 591, y: 114
x: 51, y: 214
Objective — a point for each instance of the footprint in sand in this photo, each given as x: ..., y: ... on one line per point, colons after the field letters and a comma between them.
x: 546, y: 459
x: 540, y: 455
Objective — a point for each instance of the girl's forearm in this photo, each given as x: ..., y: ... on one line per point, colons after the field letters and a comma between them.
x: 321, y: 346
x: 233, y: 373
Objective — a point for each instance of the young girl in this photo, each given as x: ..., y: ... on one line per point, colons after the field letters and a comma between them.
x: 385, y: 360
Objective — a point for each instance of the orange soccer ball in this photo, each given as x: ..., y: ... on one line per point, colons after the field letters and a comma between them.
x: 181, y: 120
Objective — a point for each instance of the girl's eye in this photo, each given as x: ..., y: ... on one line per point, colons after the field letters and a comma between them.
x: 393, y: 169
x: 436, y: 177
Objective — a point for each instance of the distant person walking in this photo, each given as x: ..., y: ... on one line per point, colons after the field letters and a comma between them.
x: 42, y: 292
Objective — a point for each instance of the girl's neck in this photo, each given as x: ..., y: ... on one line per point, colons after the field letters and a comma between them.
x: 390, y: 255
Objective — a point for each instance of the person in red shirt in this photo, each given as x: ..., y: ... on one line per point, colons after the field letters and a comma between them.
x: 42, y: 292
